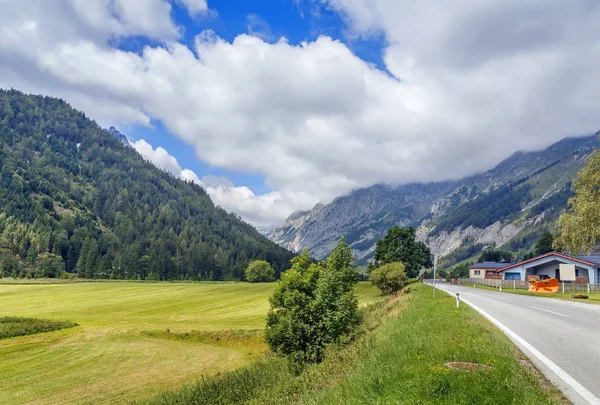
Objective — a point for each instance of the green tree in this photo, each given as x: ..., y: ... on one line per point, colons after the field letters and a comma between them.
x: 312, y: 306
x: 292, y: 328
x: 259, y: 271
x: 580, y: 225
x: 389, y: 278
x: 544, y: 244
x: 400, y: 245
x: 497, y: 256
x: 83, y: 254
x: 335, y: 301
x: 50, y: 265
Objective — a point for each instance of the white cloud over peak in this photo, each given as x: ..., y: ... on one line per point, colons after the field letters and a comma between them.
x: 470, y: 84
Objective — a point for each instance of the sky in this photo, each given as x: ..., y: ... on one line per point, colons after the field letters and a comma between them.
x: 276, y: 105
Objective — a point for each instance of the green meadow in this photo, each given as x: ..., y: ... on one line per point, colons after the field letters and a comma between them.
x: 133, y: 340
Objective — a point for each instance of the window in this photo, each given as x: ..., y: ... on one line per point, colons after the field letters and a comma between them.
x: 477, y: 272
x: 576, y: 272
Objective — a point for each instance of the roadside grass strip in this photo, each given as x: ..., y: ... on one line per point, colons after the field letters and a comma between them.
x: 11, y: 326
x: 400, y: 356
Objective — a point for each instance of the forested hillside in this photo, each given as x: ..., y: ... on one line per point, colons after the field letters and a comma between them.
x: 73, y: 198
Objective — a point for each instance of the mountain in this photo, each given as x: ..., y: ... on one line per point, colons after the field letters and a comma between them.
x: 73, y: 196
x: 510, y: 205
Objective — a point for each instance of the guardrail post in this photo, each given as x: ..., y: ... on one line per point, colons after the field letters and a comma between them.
x: 588, y: 288
x: 514, y: 284
x: 457, y: 300
x: 563, y: 287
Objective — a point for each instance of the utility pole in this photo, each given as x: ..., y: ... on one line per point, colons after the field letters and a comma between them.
x: 434, y: 276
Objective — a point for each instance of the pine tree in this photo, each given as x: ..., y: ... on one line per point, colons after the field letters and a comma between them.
x: 544, y: 244
x: 83, y: 254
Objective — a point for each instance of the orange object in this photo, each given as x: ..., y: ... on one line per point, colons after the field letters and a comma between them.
x: 548, y: 286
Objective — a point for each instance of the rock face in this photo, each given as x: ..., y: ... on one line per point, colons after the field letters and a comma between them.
x: 118, y: 136
x: 506, y: 206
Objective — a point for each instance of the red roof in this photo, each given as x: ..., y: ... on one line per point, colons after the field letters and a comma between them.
x: 546, y: 255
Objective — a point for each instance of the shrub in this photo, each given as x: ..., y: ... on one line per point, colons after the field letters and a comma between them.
x: 259, y: 271
x: 312, y: 306
x: 389, y: 278
x: 50, y: 266
x: 11, y: 326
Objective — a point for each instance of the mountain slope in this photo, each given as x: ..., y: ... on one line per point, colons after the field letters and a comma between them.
x: 73, y: 195
x: 510, y: 204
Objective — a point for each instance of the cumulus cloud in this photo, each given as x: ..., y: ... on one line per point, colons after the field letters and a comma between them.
x: 195, y: 7
x: 159, y: 156
x: 466, y: 85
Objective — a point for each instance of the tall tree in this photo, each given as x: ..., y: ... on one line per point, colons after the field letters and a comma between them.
x: 544, y: 244
x: 335, y: 299
x: 400, y: 245
x: 313, y: 306
x: 580, y: 225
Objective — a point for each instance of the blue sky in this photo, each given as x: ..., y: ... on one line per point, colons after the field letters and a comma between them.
x: 270, y: 19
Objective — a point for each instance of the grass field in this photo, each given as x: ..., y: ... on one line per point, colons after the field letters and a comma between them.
x: 397, y: 357
x: 594, y: 298
x: 121, y: 349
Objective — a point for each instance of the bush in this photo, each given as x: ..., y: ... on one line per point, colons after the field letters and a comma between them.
x: 50, y: 266
x: 11, y: 326
x: 259, y: 271
x: 312, y: 306
x: 389, y: 278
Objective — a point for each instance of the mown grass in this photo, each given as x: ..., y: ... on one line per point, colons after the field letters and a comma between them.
x: 594, y: 298
x: 134, y: 340
x: 397, y: 357
x: 11, y: 326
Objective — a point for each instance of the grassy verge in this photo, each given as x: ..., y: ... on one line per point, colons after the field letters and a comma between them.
x: 397, y: 357
x: 11, y: 326
x: 594, y: 298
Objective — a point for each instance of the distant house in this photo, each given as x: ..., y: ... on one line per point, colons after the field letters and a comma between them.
x: 486, y: 270
x: 587, y: 268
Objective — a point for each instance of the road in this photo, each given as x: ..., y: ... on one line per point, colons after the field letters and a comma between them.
x: 567, y: 333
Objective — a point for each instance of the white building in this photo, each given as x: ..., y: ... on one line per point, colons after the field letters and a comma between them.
x: 548, y: 266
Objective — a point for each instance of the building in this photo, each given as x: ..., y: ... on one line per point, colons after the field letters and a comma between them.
x: 587, y: 268
x: 486, y: 270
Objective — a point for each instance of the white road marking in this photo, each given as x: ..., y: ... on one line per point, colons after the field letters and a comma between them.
x: 559, y: 372
x: 545, y: 310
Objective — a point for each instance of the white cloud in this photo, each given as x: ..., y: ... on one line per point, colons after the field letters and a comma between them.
x: 159, y: 156
x: 261, y: 210
x: 195, y: 7
x: 191, y: 176
x: 258, y: 27
x: 471, y: 84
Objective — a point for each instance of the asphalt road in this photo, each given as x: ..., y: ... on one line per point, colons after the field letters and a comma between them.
x: 567, y: 333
